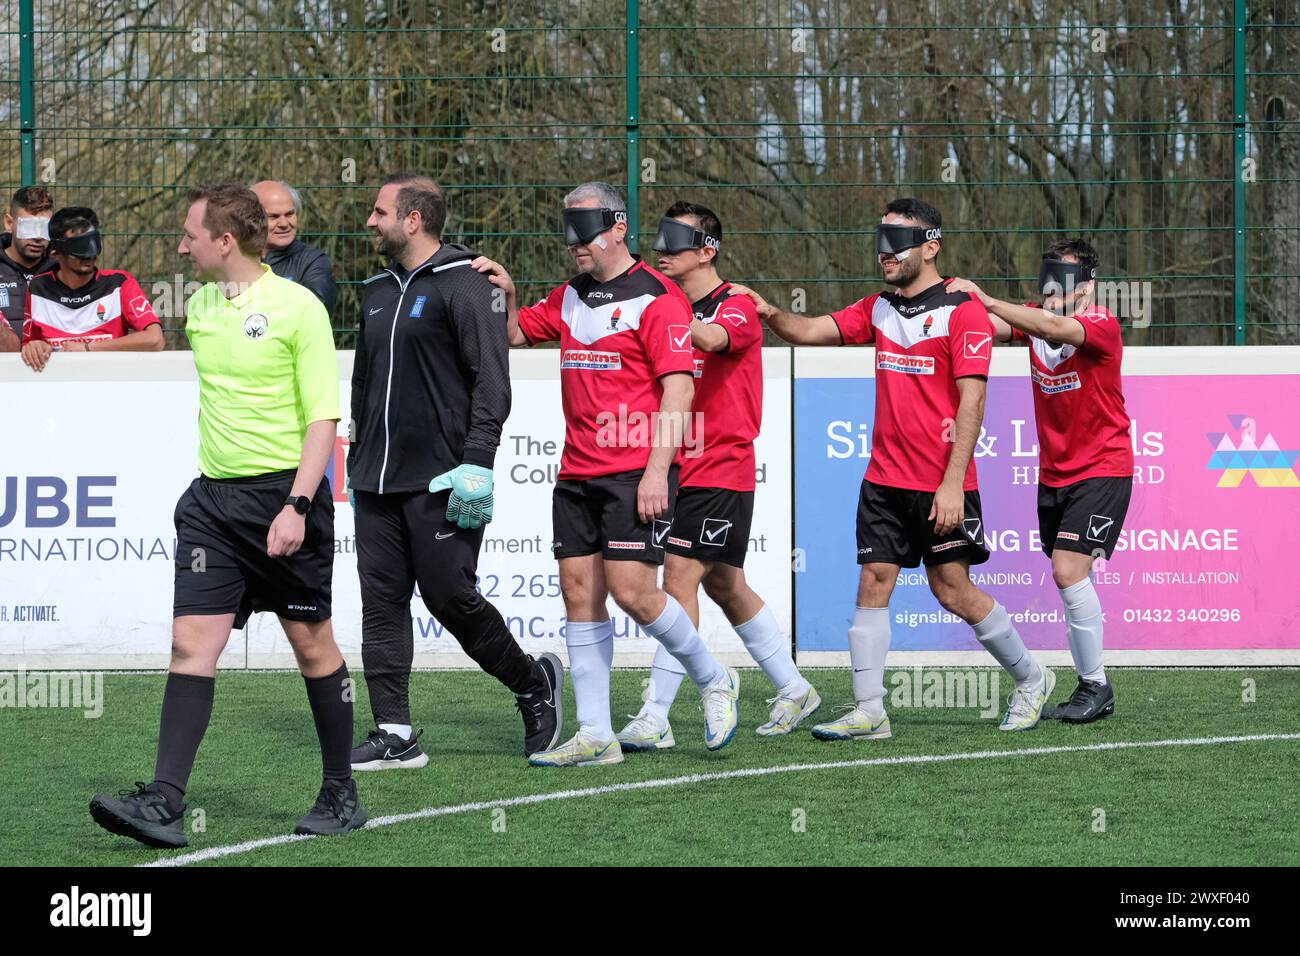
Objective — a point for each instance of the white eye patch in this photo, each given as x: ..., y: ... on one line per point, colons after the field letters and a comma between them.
x: 32, y: 227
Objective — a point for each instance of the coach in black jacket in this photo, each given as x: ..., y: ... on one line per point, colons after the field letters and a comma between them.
x: 430, y: 393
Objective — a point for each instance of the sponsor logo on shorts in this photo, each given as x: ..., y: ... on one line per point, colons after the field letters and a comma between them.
x: 590, y: 359
x: 911, y: 364
x: 679, y: 542
x: 556, y: 545
x: 948, y: 546
x: 1067, y: 536
x: 864, y: 550
x: 660, y: 531
x: 1099, y: 527
x: 626, y: 545
x: 1051, y: 384
x: 300, y: 607
x: 972, y: 528
x: 715, y: 531
x: 699, y: 368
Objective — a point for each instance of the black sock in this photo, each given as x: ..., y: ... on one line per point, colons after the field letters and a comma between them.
x: 186, y: 709
x: 331, y: 708
x: 482, y: 633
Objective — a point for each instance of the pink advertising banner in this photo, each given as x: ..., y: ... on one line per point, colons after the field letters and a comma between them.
x: 1205, y: 558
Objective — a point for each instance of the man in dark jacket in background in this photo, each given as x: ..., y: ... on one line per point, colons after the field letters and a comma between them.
x: 430, y: 393
x: 287, y: 255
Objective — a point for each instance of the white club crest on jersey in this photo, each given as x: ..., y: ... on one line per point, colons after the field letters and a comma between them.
x: 590, y: 323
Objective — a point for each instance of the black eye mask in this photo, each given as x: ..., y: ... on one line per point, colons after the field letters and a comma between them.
x: 892, y: 239
x: 88, y: 245
x: 583, y: 225
x: 677, y: 236
x: 1062, y: 278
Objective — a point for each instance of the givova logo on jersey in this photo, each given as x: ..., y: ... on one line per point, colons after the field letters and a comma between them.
x: 591, y: 360
x: 910, y: 364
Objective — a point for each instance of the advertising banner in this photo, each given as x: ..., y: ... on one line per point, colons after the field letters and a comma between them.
x: 96, y: 451
x: 1200, y: 571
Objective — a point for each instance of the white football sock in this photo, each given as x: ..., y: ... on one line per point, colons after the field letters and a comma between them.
x: 402, y: 730
x: 1083, y: 628
x: 591, y: 657
x: 868, y: 648
x: 763, y: 640
x: 674, y: 630
x: 999, y: 637
x: 665, y: 677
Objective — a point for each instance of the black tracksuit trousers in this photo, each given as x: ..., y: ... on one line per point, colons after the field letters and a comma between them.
x: 403, y: 540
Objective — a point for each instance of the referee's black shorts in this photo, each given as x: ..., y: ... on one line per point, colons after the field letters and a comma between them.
x: 221, y: 562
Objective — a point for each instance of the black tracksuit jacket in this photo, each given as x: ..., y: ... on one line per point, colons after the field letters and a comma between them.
x: 431, y: 377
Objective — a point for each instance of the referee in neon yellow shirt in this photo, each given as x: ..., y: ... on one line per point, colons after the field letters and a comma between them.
x: 255, y: 530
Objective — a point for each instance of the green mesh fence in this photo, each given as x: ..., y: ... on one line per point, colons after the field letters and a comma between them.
x: 1169, y: 136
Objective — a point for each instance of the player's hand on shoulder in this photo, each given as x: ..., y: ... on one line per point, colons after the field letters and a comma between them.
x: 496, y: 273
x: 958, y: 284
x: 765, y: 309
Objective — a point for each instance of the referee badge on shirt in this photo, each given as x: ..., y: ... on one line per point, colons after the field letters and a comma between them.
x: 255, y: 325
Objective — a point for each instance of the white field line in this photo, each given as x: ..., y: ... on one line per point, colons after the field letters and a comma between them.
x: 249, y: 846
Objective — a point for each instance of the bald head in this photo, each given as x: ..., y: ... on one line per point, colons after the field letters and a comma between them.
x: 282, y: 205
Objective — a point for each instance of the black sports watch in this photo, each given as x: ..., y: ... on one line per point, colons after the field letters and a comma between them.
x: 301, y: 504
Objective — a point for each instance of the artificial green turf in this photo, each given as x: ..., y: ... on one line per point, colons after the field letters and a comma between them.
x: 258, y: 771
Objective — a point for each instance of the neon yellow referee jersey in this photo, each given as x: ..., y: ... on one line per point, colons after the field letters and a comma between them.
x: 266, y: 369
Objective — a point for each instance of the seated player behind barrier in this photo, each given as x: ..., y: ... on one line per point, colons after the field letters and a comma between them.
x: 79, y: 307
x: 24, y: 254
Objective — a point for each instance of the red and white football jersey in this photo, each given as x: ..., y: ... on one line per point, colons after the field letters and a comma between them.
x: 104, y: 308
x: 923, y: 345
x: 617, y: 339
x: 728, y: 396
x: 1083, y: 425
